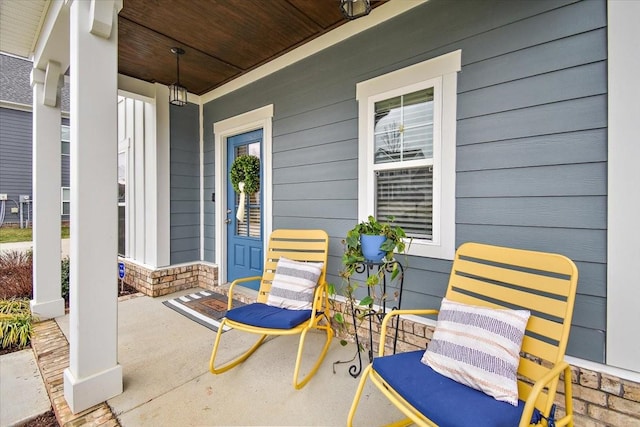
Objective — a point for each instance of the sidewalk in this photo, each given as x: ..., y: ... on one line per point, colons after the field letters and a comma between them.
x: 23, y: 246
x: 22, y: 392
x: 165, y: 359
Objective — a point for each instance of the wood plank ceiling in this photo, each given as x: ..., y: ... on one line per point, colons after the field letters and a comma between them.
x: 223, y: 39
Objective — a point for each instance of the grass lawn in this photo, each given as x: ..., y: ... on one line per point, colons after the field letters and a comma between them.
x: 11, y: 234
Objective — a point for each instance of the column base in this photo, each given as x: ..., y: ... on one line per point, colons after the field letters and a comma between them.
x: 48, y: 309
x: 82, y: 394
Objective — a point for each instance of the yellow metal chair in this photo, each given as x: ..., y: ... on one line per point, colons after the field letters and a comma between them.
x: 494, y: 277
x: 264, y: 320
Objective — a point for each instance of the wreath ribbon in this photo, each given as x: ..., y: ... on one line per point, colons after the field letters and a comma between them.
x: 241, y: 203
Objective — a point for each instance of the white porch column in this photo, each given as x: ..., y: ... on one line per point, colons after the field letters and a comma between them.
x: 157, y: 180
x: 94, y: 374
x: 47, y: 302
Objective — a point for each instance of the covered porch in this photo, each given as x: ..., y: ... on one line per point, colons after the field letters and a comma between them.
x: 537, y: 151
x: 167, y: 380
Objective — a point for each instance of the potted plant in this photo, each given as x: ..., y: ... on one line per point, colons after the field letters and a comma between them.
x: 392, y: 239
x: 374, y: 241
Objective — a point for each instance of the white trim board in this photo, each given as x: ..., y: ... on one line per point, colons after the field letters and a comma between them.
x: 623, y: 198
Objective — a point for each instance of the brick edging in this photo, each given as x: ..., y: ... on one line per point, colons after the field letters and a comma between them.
x: 51, y: 351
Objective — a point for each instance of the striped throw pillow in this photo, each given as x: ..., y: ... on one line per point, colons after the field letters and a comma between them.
x: 479, y: 347
x: 294, y: 284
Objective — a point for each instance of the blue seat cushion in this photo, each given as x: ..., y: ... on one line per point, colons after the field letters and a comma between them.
x: 267, y: 316
x: 443, y: 400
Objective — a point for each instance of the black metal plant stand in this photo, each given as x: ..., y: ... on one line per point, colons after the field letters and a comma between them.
x: 369, y: 313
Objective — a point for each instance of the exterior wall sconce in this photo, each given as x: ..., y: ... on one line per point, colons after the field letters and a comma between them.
x: 353, y: 9
x: 177, y: 92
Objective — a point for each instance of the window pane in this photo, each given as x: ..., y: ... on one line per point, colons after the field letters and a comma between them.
x: 418, y: 143
x: 418, y: 108
x: 66, y: 208
x: 65, y: 149
x: 65, y: 133
x: 251, y: 226
x: 121, y: 230
x: 407, y: 194
x: 254, y: 149
x: 388, y: 147
x: 404, y: 127
x: 387, y: 114
x: 66, y: 194
x: 122, y: 176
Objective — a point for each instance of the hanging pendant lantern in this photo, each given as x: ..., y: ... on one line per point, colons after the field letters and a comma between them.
x: 353, y: 9
x: 177, y: 92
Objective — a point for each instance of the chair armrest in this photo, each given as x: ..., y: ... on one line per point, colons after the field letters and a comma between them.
x: 234, y: 283
x: 538, y: 387
x: 392, y: 313
x: 317, y: 300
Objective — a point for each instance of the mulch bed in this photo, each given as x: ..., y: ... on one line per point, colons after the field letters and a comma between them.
x: 45, y: 420
x: 126, y: 290
x: 12, y: 349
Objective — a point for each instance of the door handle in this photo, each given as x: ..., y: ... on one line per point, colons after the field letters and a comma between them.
x: 227, y: 221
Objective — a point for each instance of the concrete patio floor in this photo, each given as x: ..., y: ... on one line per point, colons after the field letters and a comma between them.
x: 165, y: 359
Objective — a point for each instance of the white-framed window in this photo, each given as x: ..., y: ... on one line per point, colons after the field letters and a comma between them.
x: 65, y: 138
x: 123, y: 167
x: 65, y: 198
x: 407, y: 146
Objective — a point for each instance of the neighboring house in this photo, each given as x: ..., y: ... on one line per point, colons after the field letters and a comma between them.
x: 16, y: 158
x: 519, y: 147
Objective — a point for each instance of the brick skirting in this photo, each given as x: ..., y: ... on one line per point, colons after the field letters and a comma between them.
x: 599, y: 399
x: 162, y: 281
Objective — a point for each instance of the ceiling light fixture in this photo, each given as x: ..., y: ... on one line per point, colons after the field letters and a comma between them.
x: 177, y: 92
x: 353, y: 9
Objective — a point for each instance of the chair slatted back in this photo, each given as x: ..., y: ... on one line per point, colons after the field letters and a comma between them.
x: 298, y: 245
x: 543, y: 283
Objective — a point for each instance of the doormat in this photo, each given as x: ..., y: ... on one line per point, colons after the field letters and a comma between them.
x: 205, y: 307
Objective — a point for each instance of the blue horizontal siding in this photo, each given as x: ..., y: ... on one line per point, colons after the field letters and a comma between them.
x: 184, y: 231
x: 531, y: 137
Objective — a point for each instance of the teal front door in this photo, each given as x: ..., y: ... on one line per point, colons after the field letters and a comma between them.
x: 245, y: 231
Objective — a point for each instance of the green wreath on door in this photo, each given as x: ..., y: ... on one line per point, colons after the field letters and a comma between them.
x: 246, y: 168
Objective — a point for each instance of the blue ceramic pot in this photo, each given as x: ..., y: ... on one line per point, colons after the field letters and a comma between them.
x: 371, y: 247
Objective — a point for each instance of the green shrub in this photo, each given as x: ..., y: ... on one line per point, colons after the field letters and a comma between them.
x: 64, y: 278
x: 16, y: 323
x: 16, y: 275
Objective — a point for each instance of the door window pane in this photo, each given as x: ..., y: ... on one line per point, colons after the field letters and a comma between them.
x: 251, y: 226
